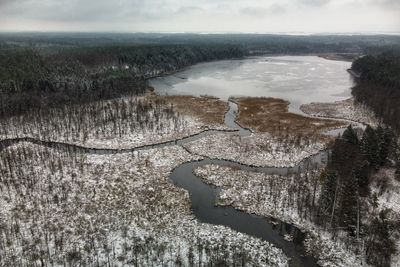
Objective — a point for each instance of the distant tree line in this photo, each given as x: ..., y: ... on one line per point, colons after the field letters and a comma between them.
x: 48, y: 70
x: 254, y: 43
x: 379, y: 85
x: 32, y: 79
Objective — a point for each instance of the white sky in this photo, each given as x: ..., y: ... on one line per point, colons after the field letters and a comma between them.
x: 201, y: 15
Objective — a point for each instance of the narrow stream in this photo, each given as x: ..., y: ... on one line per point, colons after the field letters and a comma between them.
x: 203, y: 196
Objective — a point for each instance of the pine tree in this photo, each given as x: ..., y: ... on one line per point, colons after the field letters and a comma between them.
x: 361, y: 173
x: 386, y: 149
x: 350, y: 135
x: 385, y: 137
x: 343, y: 157
x: 328, y: 192
x: 348, y: 206
x: 397, y: 172
x: 380, y: 244
x: 369, y: 146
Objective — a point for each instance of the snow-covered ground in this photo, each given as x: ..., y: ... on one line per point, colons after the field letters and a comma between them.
x: 59, y: 207
x: 283, y: 197
x: 345, y: 109
x: 387, y: 189
x: 122, y: 123
x: 258, y: 149
x: 121, y: 209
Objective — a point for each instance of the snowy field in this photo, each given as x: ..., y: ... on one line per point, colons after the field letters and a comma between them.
x: 122, y: 209
x: 89, y: 210
x: 258, y: 149
x: 121, y: 123
x: 346, y: 109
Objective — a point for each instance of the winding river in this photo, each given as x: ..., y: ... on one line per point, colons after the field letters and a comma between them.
x: 304, y: 76
x: 203, y: 196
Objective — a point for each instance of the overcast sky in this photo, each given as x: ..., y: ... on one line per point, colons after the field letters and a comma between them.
x: 201, y: 15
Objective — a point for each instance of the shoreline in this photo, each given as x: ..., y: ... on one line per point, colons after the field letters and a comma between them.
x: 319, y: 55
x: 276, y: 110
x: 346, y: 110
x: 354, y: 74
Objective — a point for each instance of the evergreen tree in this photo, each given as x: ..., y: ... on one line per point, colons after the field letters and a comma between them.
x: 344, y: 157
x: 369, y: 146
x: 328, y: 192
x: 397, y: 172
x: 384, y: 141
x: 348, y: 207
x: 380, y: 244
x: 361, y: 173
x: 350, y: 135
x: 378, y: 86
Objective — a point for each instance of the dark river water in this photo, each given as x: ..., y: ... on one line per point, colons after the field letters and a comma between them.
x: 203, y: 198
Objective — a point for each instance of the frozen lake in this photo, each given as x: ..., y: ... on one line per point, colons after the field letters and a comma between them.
x: 299, y: 79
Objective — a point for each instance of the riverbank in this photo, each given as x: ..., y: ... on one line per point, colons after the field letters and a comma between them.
x: 278, y: 139
x: 121, y: 123
x: 354, y: 74
x: 285, y: 197
x: 271, y: 115
x: 347, y: 109
x: 349, y: 57
x: 282, y: 147
x: 257, y: 149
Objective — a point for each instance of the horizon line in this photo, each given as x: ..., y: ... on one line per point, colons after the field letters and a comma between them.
x: 305, y: 33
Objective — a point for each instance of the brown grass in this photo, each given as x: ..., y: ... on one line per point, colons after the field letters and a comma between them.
x: 209, y: 110
x: 270, y: 115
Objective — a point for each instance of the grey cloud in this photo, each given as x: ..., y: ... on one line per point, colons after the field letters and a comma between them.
x: 277, y: 9
x: 261, y: 11
x: 6, y: 2
x: 188, y: 10
x: 200, y: 15
x: 316, y: 3
x: 75, y: 10
x: 388, y: 4
x: 253, y: 11
x: 97, y: 10
x: 10, y: 7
